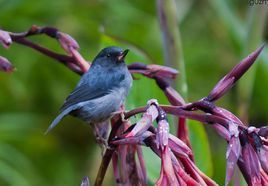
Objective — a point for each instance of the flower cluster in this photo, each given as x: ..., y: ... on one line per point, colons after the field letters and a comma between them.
x: 247, y: 146
x: 176, y: 166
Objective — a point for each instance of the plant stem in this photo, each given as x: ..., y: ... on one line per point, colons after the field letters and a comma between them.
x: 173, y: 53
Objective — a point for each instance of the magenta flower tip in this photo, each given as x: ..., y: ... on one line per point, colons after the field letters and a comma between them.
x: 67, y: 42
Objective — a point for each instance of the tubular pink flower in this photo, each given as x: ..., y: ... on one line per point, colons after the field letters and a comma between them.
x: 178, y: 146
x: 124, y: 140
x: 162, y: 134
x: 227, y: 114
x: 264, y: 177
x: 251, y: 162
x: 167, y: 174
x: 222, y: 131
x: 146, y: 121
x: 232, y: 155
x: 263, y: 157
x: 192, y: 170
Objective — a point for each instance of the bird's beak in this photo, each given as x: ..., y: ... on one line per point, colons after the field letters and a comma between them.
x: 122, y: 55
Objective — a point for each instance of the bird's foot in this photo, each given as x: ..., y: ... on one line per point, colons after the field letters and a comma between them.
x: 102, y: 142
x: 100, y: 131
x: 103, y: 145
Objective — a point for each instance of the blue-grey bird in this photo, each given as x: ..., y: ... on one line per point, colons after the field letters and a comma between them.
x: 101, y: 91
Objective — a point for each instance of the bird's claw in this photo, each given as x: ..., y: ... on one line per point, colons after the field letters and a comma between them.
x: 102, y: 143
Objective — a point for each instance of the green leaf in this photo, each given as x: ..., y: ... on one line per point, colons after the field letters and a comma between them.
x: 22, y: 165
x: 153, y: 165
x: 11, y: 176
x: 201, y: 147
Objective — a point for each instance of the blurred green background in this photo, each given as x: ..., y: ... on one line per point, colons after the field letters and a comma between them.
x: 215, y: 35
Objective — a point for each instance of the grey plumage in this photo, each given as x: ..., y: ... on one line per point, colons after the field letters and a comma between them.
x: 101, y: 90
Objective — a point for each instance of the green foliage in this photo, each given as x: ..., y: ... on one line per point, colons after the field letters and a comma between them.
x: 201, y: 148
x: 153, y: 165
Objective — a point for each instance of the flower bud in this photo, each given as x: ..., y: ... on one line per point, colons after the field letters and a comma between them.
x: 235, y: 74
x: 67, y: 42
x: 5, y: 38
x: 5, y: 65
x: 85, y: 182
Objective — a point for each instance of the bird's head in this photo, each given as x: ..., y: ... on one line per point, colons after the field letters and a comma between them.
x: 111, y: 55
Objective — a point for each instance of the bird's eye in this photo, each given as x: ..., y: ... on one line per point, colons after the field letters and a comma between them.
x: 108, y: 55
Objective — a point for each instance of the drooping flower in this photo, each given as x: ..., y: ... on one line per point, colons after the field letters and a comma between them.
x: 233, y: 152
x: 250, y: 160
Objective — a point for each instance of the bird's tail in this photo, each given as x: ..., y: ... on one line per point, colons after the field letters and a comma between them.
x: 57, y: 119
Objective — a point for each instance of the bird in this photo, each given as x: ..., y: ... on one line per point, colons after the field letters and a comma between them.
x: 101, y: 91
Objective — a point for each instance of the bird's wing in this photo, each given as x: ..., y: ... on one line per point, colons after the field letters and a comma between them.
x: 83, y: 93
x: 93, y: 86
x: 87, y: 89
x: 58, y: 118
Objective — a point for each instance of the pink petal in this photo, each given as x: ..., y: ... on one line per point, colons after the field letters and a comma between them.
x: 193, y: 170
x: 227, y: 114
x: 222, y: 131
x: 132, y: 140
x: 232, y: 155
x: 252, y: 163
x: 264, y: 178
x: 233, y: 129
x: 162, y: 134
x: 263, y: 156
x: 178, y: 146
x: 146, y: 121
x: 167, y: 175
